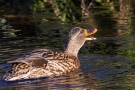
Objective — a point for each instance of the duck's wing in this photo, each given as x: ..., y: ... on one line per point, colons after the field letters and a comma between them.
x: 32, y: 59
x: 39, y: 58
x: 34, y: 62
x: 21, y: 66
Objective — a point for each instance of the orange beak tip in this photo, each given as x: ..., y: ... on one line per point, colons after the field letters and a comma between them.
x: 90, y: 31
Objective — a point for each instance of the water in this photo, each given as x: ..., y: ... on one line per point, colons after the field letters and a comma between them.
x: 107, y: 63
x: 103, y: 65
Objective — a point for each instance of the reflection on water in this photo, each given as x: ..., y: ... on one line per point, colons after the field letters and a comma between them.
x: 106, y: 63
x: 75, y: 80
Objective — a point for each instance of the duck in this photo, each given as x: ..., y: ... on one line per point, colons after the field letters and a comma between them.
x: 47, y: 63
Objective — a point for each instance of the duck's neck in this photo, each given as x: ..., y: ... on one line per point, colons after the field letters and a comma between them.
x: 72, y: 48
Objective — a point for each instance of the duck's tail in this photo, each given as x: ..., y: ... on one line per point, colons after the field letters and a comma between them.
x: 17, y: 71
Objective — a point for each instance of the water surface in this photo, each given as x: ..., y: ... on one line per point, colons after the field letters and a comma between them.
x: 107, y: 63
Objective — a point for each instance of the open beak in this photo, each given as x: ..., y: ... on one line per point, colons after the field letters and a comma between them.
x: 90, y: 32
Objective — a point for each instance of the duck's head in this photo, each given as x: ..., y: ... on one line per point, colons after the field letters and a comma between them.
x: 76, y: 38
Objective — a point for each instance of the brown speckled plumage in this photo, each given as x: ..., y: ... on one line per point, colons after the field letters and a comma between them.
x: 43, y: 62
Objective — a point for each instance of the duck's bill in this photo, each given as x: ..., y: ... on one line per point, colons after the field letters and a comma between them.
x: 90, y: 38
x: 90, y: 32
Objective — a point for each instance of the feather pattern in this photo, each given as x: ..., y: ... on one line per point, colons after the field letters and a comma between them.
x: 30, y: 66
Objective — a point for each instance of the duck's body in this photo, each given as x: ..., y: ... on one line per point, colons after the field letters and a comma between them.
x: 43, y: 62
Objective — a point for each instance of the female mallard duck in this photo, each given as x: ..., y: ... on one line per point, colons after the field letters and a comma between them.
x: 42, y: 62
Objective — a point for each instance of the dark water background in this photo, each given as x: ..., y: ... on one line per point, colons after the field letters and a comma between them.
x: 107, y: 63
